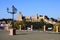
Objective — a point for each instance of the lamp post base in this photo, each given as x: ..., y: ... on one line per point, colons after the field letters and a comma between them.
x: 12, y: 32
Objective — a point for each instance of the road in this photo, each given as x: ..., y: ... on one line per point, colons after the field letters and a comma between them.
x: 29, y: 35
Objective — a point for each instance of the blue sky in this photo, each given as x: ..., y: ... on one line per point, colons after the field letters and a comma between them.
x: 51, y: 8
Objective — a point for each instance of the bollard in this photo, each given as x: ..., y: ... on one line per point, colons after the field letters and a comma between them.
x: 44, y: 28
x: 11, y: 32
x: 20, y: 27
x: 31, y: 27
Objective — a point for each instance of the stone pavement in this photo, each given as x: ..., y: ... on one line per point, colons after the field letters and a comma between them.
x: 29, y: 35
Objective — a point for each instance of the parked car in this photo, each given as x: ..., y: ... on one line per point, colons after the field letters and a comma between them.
x: 50, y: 28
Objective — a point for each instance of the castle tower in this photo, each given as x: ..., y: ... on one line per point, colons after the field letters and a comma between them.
x: 35, y: 18
x: 19, y: 17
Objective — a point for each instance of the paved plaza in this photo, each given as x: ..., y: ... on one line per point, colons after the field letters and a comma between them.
x: 29, y: 35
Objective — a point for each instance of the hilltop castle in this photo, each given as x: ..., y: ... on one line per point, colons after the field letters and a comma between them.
x: 34, y: 18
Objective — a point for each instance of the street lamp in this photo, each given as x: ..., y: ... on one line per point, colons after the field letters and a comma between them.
x: 14, y: 10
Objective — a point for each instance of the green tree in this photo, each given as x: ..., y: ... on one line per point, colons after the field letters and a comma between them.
x: 46, y: 17
x: 16, y: 24
x: 42, y: 23
x: 23, y: 23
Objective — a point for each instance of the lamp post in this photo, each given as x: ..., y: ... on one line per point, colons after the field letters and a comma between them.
x: 14, y: 10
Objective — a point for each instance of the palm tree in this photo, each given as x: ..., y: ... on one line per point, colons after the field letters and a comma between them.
x: 16, y: 24
x: 42, y: 23
x: 24, y: 23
